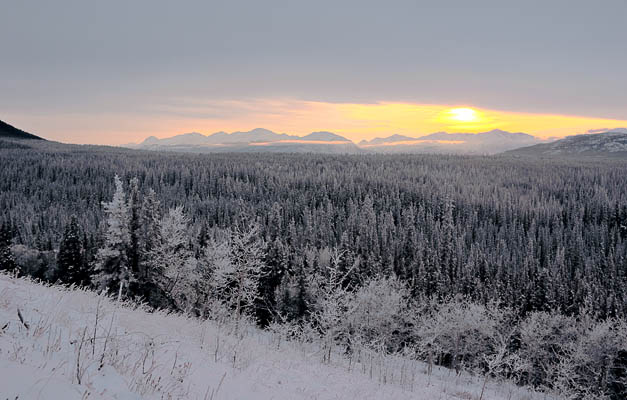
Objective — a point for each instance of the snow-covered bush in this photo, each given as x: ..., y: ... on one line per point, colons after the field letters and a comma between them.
x: 586, y: 365
x: 377, y: 313
x: 544, y: 340
x: 33, y: 262
x: 459, y: 331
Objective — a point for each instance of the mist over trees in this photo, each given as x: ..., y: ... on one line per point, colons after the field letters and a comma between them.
x: 511, y: 267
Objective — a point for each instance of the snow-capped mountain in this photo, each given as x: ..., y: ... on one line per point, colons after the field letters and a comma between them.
x: 606, y: 144
x: 256, y: 140
x: 325, y: 136
x: 491, y: 142
x: 386, y: 140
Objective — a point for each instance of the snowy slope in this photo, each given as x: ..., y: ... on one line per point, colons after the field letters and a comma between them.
x: 130, y: 353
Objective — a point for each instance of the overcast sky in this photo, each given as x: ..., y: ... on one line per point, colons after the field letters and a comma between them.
x: 116, y: 71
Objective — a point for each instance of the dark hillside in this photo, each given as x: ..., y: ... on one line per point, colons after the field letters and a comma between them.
x: 11, y: 132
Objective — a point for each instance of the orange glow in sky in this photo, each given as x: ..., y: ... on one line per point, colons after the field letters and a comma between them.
x: 352, y: 120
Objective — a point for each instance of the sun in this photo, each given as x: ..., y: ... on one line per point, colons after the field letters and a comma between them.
x: 463, y: 114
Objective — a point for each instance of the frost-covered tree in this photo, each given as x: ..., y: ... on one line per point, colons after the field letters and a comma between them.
x: 331, y: 303
x: 329, y: 318
x: 171, y: 261
x: 238, y: 280
x: 215, y: 257
x: 113, y: 272
x: 71, y: 266
x: 149, y: 240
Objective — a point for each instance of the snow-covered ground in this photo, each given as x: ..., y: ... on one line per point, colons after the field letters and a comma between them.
x: 75, y: 344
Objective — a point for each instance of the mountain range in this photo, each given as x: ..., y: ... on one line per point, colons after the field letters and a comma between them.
x: 491, y: 142
x: 610, y: 143
x: 256, y: 140
x: 263, y: 140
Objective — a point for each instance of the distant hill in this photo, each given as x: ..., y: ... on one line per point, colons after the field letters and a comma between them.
x: 386, y: 140
x: 325, y: 136
x: 10, y: 132
x: 606, y: 144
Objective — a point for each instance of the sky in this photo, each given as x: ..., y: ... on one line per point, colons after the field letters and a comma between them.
x: 115, y: 72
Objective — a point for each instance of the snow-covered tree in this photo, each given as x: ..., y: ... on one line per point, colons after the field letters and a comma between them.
x: 172, y: 263
x: 331, y: 306
x: 113, y: 272
x: 215, y: 257
x: 149, y: 240
x: 238, y: 280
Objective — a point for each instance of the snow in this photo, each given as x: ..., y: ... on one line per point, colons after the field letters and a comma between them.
x: 132, y: 353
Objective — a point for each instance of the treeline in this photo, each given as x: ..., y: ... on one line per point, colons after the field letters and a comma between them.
x: 537, y: 235
x: 510, y: 267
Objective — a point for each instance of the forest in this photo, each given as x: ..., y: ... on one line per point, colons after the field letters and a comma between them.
x: 510, y: 266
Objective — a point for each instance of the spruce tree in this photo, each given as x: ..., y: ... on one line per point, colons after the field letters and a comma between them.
x: 134, y: 207
x: 274, y: 269
x: 150, y: 234
x: 70, y: 261
x: 7, y: 261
